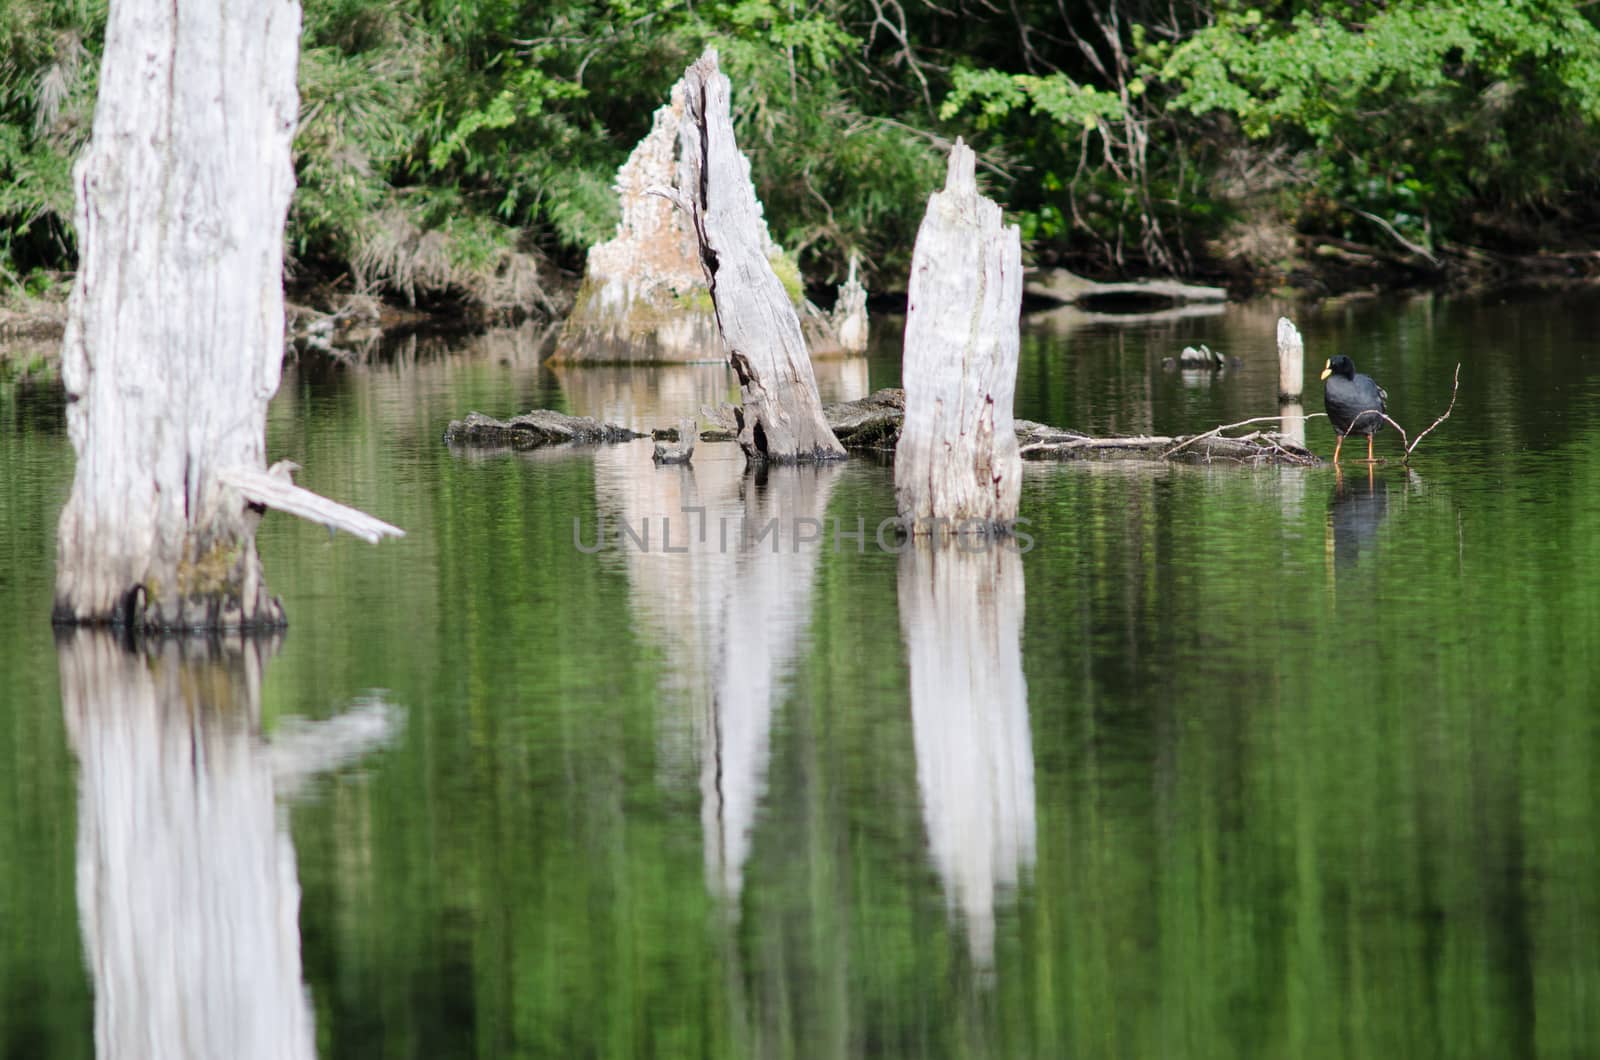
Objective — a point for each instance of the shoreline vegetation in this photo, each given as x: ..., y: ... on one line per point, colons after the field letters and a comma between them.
x: 454, y: 170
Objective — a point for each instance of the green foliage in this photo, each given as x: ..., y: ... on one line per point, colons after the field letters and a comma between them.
x: 1420, y: 111
x: 445, y: 147
x: 1056, y: 97
x: 48, y: 65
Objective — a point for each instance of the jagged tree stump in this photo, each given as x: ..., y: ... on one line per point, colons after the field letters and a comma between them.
x: 644, y: 296
x: 781, y: 419
x: 957, y: 465
x: 850, y: 311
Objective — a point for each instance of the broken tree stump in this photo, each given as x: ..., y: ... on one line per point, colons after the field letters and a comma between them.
x: 531, y: 430
x: 957, y: 459
x: 644, y: 297
x: 781, y: 419
x: 850, y: 311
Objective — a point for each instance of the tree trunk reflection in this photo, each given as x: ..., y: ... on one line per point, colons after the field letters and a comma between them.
x: 187, y: 886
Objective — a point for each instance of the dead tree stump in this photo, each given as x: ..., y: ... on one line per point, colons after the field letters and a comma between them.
x: 174, y: 337
x: 781, y: 419
x: 957, y: 465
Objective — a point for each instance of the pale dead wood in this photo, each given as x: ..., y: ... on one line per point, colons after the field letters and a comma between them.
x: 1455, y: 387
x: 957, y: 457
x: 1291, y: 361
x: 1410, y: 445
x: 274, y: 489
x: 781, y: 418
x: 175, y: 333
x: 1213, y: 432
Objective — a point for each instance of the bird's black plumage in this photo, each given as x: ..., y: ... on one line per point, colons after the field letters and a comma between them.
x: 1347, y: 395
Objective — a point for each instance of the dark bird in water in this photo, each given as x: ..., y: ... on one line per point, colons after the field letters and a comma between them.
x: 1354, y: 402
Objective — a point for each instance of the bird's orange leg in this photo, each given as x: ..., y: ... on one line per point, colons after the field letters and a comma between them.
x: 1369, y: 449
x: 1336, y: 447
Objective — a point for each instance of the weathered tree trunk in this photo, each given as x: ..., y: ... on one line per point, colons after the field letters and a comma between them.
x: 175, y: 332
x: 781, y: 419
x: 961, y: 617
x: 644, y: 297
x: 957, y: 464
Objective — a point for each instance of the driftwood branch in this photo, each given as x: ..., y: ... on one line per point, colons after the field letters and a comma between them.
x: 1455, y: 387
x: 275, y: 489
x: 1409, y: 444
x: 1394, y: 233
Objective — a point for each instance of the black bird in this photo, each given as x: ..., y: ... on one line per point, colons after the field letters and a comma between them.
x: 1353, y: 402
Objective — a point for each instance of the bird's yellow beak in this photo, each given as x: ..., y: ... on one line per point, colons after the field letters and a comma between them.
x: 1327, y: 369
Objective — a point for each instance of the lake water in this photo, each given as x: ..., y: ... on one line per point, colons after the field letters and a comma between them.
x: 1231, y: 763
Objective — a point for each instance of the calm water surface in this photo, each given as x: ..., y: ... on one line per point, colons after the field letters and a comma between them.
x: 1232, y: 763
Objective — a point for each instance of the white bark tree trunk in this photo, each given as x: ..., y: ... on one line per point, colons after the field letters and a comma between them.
x: 175, y: 335
x: 782, y: 419
x: 957, y: 464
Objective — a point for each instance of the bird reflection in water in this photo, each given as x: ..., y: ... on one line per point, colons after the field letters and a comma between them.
x: 1359, y: 505
x: 188, y: 892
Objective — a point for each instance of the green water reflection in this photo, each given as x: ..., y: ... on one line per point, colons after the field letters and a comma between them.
x: 1310, y: 758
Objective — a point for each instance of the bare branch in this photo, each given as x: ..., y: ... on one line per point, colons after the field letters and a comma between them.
x: 1456, y: 386
x: 1415, y: 248
x: 274, y: 489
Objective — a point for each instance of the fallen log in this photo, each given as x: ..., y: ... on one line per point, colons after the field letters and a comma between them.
x: 1257, y: 448
x: 531, y: 430
x: 874, y: 422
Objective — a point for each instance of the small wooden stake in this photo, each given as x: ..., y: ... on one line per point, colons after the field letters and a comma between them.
x: 1291, y: 364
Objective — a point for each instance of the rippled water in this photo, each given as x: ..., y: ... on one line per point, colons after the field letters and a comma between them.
x: 1230, y: 763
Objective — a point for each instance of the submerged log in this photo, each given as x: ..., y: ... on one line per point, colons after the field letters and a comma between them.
x: 781, y: 418
x: 957, y: 458
x: 531, y: 430
x: 1256, y: 448
x: 644, y: 296
x: 874, y: 423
